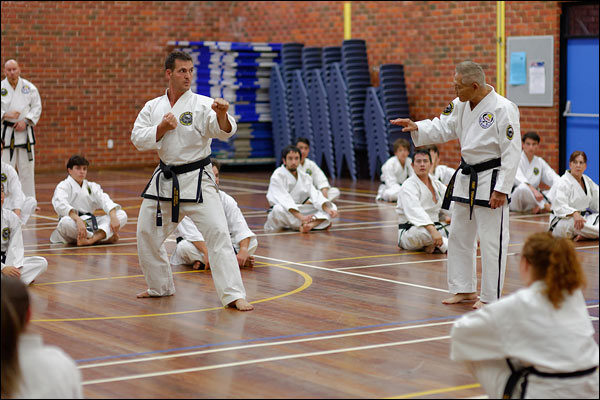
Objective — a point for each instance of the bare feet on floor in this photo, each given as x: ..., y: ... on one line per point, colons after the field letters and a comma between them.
x: 249, y: 262
x: 143, y: 294
x: 536, y: 210
x: 429, y: 249
x: 460, y: 297
x: 113, y: 239
x: 577, y: 238
x: 241, y: 305
x: 197, y: 264
x: 478, y: 304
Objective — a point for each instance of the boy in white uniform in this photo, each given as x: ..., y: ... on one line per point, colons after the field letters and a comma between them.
x: 419, y: 205
x: 180, y: 126
x: 15, y: 199
x: 311, y: 168
x: 21, y: 111
x: 527, y: 195
x: 487, y: 126
x: 395, y: 171
x: 75, y: 199
x: 575, y: 207
x: 441, y: 172
x: 14, y: 262
x: 191, y: 248
x: 296, y: 203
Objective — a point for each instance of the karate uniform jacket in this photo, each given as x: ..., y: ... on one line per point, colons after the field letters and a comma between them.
x: 535, y: 172
x: 415, y: 202
x: 289, y: 192
x: 311, y: 168
x: 13, y: 191
x: 25, y: 99
x: 189, y: 142
x: 569, y: 196
x: 12, y: 239
x: 86, y: 198
x: 393, y: 173
x: 443, y: 173
x: 491, y: 130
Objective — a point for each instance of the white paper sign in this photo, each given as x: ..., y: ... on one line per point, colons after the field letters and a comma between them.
x: 537, y: 78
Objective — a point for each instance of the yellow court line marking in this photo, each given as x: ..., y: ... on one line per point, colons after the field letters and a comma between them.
x: 307, y: 283
x: 435, y: 391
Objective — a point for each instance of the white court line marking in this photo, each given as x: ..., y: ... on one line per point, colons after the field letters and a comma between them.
x: 98, y: 246
x: 261, y: 360
x: 530, y: 222
x: 331, y: 230
x: 250, y: 346
x: 353, y: 274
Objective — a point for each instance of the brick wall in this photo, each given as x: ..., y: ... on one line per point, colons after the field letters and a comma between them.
x: 97, y: 63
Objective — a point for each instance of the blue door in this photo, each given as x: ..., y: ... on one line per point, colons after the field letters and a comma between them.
x: 582, y: 102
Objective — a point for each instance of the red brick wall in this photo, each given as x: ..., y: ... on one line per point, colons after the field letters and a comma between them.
x: 97, y: 63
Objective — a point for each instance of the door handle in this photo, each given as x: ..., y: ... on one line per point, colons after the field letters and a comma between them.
x: 568, y: 113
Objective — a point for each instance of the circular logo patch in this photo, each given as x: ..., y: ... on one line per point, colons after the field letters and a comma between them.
x: 3, y: 177
x: 186, y: 118
x: 486, y: 120
x: 309, y: 171
x: 536, y: 171
x: 4, y: 92
x: 449, y: 108
x: 510, y: 132
x: 25, y: 89
x: 6, y: 233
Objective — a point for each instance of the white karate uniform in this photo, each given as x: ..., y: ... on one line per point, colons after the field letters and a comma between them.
x: 526, y: 328
x: 286, y: 193
x: 532, y: 173
x: 25, y: 99
x: 570, y: 197
x: 13, y: 192
x: 417, y: 207
x: 86, y: 198
x: 186, y: 253
x: 188, y: 142
x: 13, y: 249
x: 488, y: 132
x: 47, y: 372
x: 443, y: 173
x: 319, y: 179
x: 393, y: 174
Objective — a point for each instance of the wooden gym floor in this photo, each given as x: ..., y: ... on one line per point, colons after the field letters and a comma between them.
x: 339, y: 314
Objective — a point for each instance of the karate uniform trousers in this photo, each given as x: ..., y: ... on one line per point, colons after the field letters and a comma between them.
x: 25, y: 99
x: 489, y: 132
x: 570, y: 197
x: 14, y: 196
x: 522, y: 198
x: 393, y: 174
x: 526, y: 328
x: 13, y: 249
x: 319, y: 179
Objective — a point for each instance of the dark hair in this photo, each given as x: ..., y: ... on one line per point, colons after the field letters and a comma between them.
x: 555, y: 262
x: 576, y: 154
x: 15, y: 303
x: 288, y: 149
x: 176, y: 55
x: 434, y: 148
x: 303, y: 140
x: 77, y: 160
x: 401, y: 143
x: 216, y: 163
x: 531, y: 135
x: 422, y: 150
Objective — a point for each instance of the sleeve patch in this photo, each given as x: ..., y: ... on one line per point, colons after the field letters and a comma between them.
x: 510, y: 132
x: 449, y: 108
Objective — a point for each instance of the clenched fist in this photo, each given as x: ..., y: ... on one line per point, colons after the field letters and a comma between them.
x: 220, y: 106
x: 169, y: 121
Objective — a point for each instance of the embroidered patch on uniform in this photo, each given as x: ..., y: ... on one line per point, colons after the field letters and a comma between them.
x: 25, y: 89
x: 186, y: 118
x: 448, y: 110
x: 6, y: 233
x: 4, y: 92
x: 486, y: 120
x: 89, y: 190
x: 536, y: 171
x: 309, y: 171
x: 3, y: 177
x: 510, y: 132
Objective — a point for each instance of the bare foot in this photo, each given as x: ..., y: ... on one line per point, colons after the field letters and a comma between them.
x: 459, y: 297
x: 547, y: 208
x: 113, y: 239
x: 429, y: 249
x: 249, y: 262
x: 241, y: 305
x: 143, y: 294
x: 577, y: 238
x: 197, y: 264
x: 535, y: 210
x: 305, y: 228
x: 83, y: 242
x: 478, y: 304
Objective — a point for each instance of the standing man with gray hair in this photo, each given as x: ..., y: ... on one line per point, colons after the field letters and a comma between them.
x: 21, y: 111
x: 488, y: 129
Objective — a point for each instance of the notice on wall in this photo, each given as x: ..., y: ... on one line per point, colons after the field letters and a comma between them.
x: 537, y: 78
x: 518, y: 68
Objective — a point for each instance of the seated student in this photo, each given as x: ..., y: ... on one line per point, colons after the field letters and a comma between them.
x: 191, y: 248
x: 14, y: 262
x: 395, y: 171
x: 575, y: 202
x: 30, y: 369
x: 15, y: 199
x: 539, y: 341
x: 75, y: 199
x: 296, y: 203
x: 526, y: 194
x: 311, y: 168
x: 439, y: 171
x: 419, y: 205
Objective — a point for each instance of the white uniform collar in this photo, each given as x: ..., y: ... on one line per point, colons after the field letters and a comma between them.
x: 74, y: 183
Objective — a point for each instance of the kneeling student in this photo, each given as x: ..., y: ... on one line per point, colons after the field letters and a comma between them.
x: 75, y: 199
x: 419, y: 205
x: 14, y: 263
x: 191, y: 248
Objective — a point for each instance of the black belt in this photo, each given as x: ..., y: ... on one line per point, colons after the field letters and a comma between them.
x: 171, y: 171
x: 92, y: 217
x: 3, y: 257
x: 407, y: 225
x: 12, y: 145
x: 471, y: 170
x: 524, y: 373
x: 557, y: 219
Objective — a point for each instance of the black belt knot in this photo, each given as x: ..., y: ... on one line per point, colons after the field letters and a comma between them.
x: 12, y: 146
x: 93, y: 219
x: 3, y: 257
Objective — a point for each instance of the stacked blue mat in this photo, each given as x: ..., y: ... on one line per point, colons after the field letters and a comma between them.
x: 241, y: 74
x: 392, y: 93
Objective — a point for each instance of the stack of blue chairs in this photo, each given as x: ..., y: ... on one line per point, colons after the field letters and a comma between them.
x: 392, y: 93
x: 279, y: 113
x: 376, y: 128
x: 291, y: 60
x: 239, y: 73
x: 356, y: 73
x: 299, y: 101
x: 311, y: 59
x: 330, y: 55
